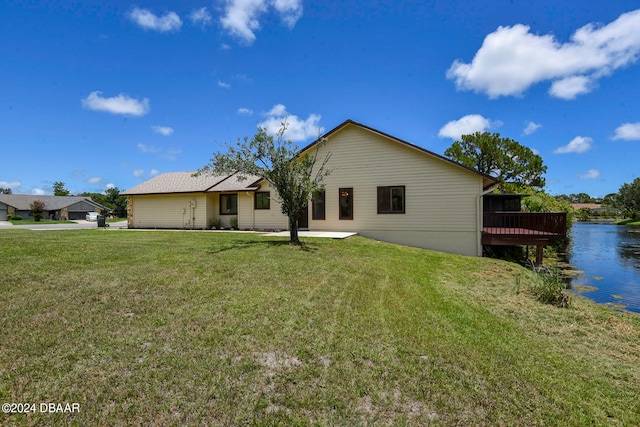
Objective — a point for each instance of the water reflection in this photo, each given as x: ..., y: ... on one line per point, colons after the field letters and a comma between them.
x: 609, y: 255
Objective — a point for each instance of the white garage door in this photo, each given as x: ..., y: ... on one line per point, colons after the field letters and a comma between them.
x: 3, y: 214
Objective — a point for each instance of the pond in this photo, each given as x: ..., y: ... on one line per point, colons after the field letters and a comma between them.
x: 609, y: 256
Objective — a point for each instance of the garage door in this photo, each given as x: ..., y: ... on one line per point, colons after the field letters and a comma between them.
x: 3, y: 214
x: 77, y: 215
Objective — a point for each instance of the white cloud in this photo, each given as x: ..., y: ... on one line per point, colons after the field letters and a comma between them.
x: 579, y: 144
x: 200, y: 17
x: 241, y: 17
x: 162, y: 130
x: 590, y: 174
x: 467, y: 125
x: 512, y: 59
x: 154, y: 172
x: 148, y: 148
x: 120, y: 104
x: 138, y: 173
x: 38, y: 192
x: 148, y: 21
x: 13, y: 185
x: 109, y: 186
x: 571, y: 87
x: 628, y: 132
x: 297, y: 129
x: 95, y: 180
x: 277, y: 110
x: 172, y: 154
x: 223, y: 85
x: 531, y: 128
x: 290, y: 11
x: 245, y: 111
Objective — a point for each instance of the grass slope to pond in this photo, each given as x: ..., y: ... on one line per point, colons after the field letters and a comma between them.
x: 179, y: 328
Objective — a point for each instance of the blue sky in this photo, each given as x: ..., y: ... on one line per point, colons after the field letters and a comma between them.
x: 99, y: 94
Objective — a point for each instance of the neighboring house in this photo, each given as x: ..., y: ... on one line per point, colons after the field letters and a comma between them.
x: 380, y: 186
x: 56, y: 207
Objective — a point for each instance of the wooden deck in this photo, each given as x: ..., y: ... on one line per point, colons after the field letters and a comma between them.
x: 520, y: 228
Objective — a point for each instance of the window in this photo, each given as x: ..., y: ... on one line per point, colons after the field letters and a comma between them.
x: 262, y: 200
x: 391, y: 200
x: 317, y: 205
x: 229, y: 204
x: 346, y: 203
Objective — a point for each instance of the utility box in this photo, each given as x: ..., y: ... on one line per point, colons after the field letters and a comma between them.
x: 102, y: 222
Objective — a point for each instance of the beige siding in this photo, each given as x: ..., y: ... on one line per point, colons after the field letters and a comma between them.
x: 170, y: 211
x: 268, y: 219
x: 441, y: 200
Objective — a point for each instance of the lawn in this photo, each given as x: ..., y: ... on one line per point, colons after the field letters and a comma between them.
x: 41, y: 222
x: 193, y: 328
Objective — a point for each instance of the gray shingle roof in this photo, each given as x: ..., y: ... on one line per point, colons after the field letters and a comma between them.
x: 22, y: 202
x: 185, y: 182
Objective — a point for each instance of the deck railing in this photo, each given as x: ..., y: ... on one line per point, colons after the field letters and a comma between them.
x: 528, y: 223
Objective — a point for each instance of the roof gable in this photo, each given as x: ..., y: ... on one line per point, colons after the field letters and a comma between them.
x: 487, y: 180
x: 186, y: 182
x: 22, y: 202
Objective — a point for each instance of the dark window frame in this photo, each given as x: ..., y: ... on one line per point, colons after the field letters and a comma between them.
x: 225, y: 195
x: 323, y: 197
x: 390, y: 209
x: 256, y: 198
x: 341, y: 195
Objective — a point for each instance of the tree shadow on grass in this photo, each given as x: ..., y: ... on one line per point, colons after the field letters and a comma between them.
x: 228, y: 246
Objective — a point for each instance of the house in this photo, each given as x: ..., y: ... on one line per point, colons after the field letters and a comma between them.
x: 380, y: 187
x: 56, y: 207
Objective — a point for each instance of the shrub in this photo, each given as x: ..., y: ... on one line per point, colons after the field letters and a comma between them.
x: 14, y: 218
x: 234, y: 222
x: 37, y: 209
x: 214, y: 223
x: 550, y: 289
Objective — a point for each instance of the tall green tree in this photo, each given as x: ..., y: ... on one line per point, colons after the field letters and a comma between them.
x: 628, y: 199
x: 294, y: 176
x: 514, y: 165
x: 59, y: 190
x: 111, y: 199
x: 5, y: 190
x: 610, y: 200
x: 116, y: 202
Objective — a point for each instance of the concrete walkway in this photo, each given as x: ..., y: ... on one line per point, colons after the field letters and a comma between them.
x: 322, y: 234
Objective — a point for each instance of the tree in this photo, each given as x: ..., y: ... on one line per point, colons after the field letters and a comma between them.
x: 111, y: 199
x: 294, y: 176
x: 5, y: 190
x: 610, y: 200
x: 513, y: 164
x: 37, y: 209
x: 59, y: 190
x: 116, y: 202
x: 629, y: 199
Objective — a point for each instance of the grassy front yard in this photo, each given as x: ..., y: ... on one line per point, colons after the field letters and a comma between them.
x: 180, y: 328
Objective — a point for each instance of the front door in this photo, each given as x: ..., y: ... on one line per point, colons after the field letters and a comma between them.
x: 303, y: 221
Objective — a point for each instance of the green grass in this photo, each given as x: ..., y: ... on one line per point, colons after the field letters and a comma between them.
x: 182, y: 328
x: 41, y: 222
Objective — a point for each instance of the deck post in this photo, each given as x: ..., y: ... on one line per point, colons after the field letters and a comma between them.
x: 539, y: 252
